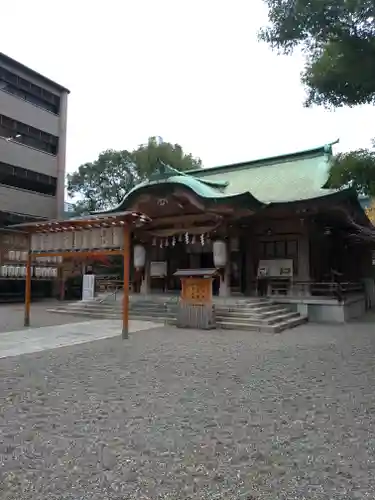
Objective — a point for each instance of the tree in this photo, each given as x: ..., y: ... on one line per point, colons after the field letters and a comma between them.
x: 338, y: 38
x: 103, y: 183
x: 356, y: 169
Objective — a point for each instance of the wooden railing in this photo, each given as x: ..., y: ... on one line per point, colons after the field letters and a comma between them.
x: 329, y: 289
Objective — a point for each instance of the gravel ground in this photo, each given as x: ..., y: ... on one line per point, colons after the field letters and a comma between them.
x: 173, y: 414
x: 12, y: 316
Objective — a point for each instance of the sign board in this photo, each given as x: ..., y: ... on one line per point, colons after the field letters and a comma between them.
x: 275, y: 268
x: 88, y: 287
x: 158, y: 269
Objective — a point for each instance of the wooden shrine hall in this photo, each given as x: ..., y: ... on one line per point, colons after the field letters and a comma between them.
x: 269, y: 227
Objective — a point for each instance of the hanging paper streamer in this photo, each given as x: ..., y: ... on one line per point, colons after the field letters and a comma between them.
x: 166, y: 242
x: 154, y: 242
x: 202, y: 239
x: 161, y: 244
x: 173, y: 241
x: 187, y: 238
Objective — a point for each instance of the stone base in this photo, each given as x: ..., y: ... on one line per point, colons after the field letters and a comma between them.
x: 198, y: 316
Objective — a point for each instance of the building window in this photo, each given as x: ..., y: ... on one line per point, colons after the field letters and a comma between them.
x: 12, y: 130
x: 28, y: 91
x: 280, y: 249
x: 27, y: 179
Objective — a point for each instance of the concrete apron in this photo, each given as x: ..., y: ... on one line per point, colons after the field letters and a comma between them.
x: 51, y: 337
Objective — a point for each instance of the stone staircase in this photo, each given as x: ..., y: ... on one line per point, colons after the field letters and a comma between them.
x: 257, y: 314
x: 251, y: 314
x: 153, y: 309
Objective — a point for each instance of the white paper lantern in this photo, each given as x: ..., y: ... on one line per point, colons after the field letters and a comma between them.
x: 96, y: 238
x: 24, y: 256
x: 45, y: 241
x: 17, y: 271
x: 11, y: 255
x: 139, y: 256
x: 58, y: 241
x: 54, y: 241
x: 4, y: 270
x: 54, y: 272
x: 86, y: 238
x: 220, y: 253
x: 118, y: 237
x: 35, y: 242
x: 23, y: 271
x: 77, y: 240
x: 106, y: 237
x: 10, y: 270
x: 67, y: 240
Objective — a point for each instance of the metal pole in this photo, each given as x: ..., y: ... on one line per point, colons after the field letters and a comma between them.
x: 125, y: 303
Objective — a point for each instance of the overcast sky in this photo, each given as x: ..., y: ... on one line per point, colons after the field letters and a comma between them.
x: 191, y: 72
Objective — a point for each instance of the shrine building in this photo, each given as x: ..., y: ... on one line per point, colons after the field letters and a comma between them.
x: 270, y: 226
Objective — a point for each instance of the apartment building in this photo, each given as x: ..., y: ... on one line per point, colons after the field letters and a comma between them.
x: 33, y: 115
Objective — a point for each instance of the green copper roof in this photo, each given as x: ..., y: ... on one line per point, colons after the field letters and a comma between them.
x: 278, y: 180
x: 281, y: 179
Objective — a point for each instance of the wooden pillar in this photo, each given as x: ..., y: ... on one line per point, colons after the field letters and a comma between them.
x: 126, y: 262
x: 28, y: 286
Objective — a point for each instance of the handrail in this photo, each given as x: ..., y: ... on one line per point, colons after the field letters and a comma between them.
x: 333, y: 289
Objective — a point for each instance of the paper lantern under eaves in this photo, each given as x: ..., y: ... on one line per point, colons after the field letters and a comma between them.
x: 219, y: 253
x: 86, y: 239
x: 117, y: 237
x: 139, y: 256
x: 67, y: 240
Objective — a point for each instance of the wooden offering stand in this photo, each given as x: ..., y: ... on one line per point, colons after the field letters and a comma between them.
x: 196, y: 308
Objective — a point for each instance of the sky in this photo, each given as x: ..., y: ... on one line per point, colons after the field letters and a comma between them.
x: 190, y: 71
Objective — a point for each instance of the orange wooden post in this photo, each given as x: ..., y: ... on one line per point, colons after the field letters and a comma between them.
x: 125, y: 304
x: 28, y: 287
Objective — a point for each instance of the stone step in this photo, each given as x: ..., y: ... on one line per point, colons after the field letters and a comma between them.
x: 255, y: 319
x: 115, y: 316
x: 255, y: 326
x: 253, y: 314
x: 246, y: 313
x: 253, y: 308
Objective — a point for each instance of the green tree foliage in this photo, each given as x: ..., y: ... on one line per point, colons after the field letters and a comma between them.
x: 338, y: 38
x: 103, y: 183
x: 356, y: 169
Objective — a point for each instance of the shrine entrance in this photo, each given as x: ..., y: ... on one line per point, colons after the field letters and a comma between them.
x: 91, y: 236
